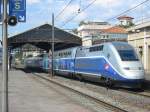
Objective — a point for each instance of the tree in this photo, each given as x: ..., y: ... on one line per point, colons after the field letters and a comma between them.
x: 75, y: 31
x: 130, y: 24
x: 82, y: 23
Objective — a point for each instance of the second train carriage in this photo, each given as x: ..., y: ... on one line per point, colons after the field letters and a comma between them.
x: 33, y: 62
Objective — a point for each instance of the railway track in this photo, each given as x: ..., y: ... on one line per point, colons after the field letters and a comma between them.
x: 143, y: 94
x: 105, y: 104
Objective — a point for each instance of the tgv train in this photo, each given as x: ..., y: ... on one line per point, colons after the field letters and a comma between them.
x: 113, y: 63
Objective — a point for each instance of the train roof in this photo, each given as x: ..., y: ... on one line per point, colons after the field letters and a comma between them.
x: 118, y: 43
x: 122, y: 45
x: 67, y: 49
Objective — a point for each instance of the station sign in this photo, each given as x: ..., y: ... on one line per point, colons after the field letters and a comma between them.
x: 18, y: 8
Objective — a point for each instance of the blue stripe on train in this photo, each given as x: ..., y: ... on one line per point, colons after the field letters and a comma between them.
x: 97, y: 66
x: 64, y: 64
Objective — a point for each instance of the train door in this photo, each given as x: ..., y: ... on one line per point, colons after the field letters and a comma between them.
x: 79, y: 63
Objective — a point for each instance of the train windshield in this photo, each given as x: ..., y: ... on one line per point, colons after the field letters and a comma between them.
x: 128, y: 55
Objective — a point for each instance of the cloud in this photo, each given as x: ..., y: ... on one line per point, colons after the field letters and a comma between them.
x: 106, y: 3
x: 30, y: 2
x: 39, y: 11
x: 81, y: 16
x: 69, y: 12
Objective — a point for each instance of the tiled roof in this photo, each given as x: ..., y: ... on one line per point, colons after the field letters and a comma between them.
x: 125, y: 17
x: 115, y: 29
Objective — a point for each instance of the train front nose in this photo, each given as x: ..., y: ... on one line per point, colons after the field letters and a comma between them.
x: 133, y: 70
x: 134, y: 73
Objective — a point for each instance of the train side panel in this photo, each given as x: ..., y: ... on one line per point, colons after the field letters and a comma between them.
x: 64, y: 61
x: 92, y: 62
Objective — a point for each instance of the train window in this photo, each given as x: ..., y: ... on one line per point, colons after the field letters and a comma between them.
x: 65, y: 54
x: 69, y: 53
x: 96, y: 48
x: 128, y: 55
x: 80, y: 53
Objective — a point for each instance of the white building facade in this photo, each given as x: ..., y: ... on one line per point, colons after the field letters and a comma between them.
x: 92, y: 28
x: 139, y: 37
x: 125, y: 20
x: 89, y: 29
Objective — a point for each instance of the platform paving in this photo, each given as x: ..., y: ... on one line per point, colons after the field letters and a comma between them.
x: 27, y: 95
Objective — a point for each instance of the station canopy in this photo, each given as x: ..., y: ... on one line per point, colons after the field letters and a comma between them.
x: 42, y: 38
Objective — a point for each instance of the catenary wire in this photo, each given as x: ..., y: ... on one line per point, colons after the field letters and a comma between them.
x: 128, y: 10
x: 79, y: 13
x: 64, y: 9
x: 109, y: 18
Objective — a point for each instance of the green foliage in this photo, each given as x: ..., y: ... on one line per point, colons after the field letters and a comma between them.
x: 82, y: 23
x: 75, y: 31
x: 127, y: 26
x: 19, y: 55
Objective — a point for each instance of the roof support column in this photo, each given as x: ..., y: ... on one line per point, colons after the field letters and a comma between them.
x: 145, y: 50
x: 53, y: 36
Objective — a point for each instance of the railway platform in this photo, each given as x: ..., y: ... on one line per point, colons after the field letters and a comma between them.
x: 28, y: 94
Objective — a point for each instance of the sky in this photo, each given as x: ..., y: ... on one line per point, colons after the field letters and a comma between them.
x: 39, y: 12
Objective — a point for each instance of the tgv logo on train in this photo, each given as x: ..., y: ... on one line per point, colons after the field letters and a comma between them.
x: 114, y: 63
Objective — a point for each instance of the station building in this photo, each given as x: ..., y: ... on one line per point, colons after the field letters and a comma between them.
x: 139, y: 37
x: 92, y: 28
x: 115, y: 33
